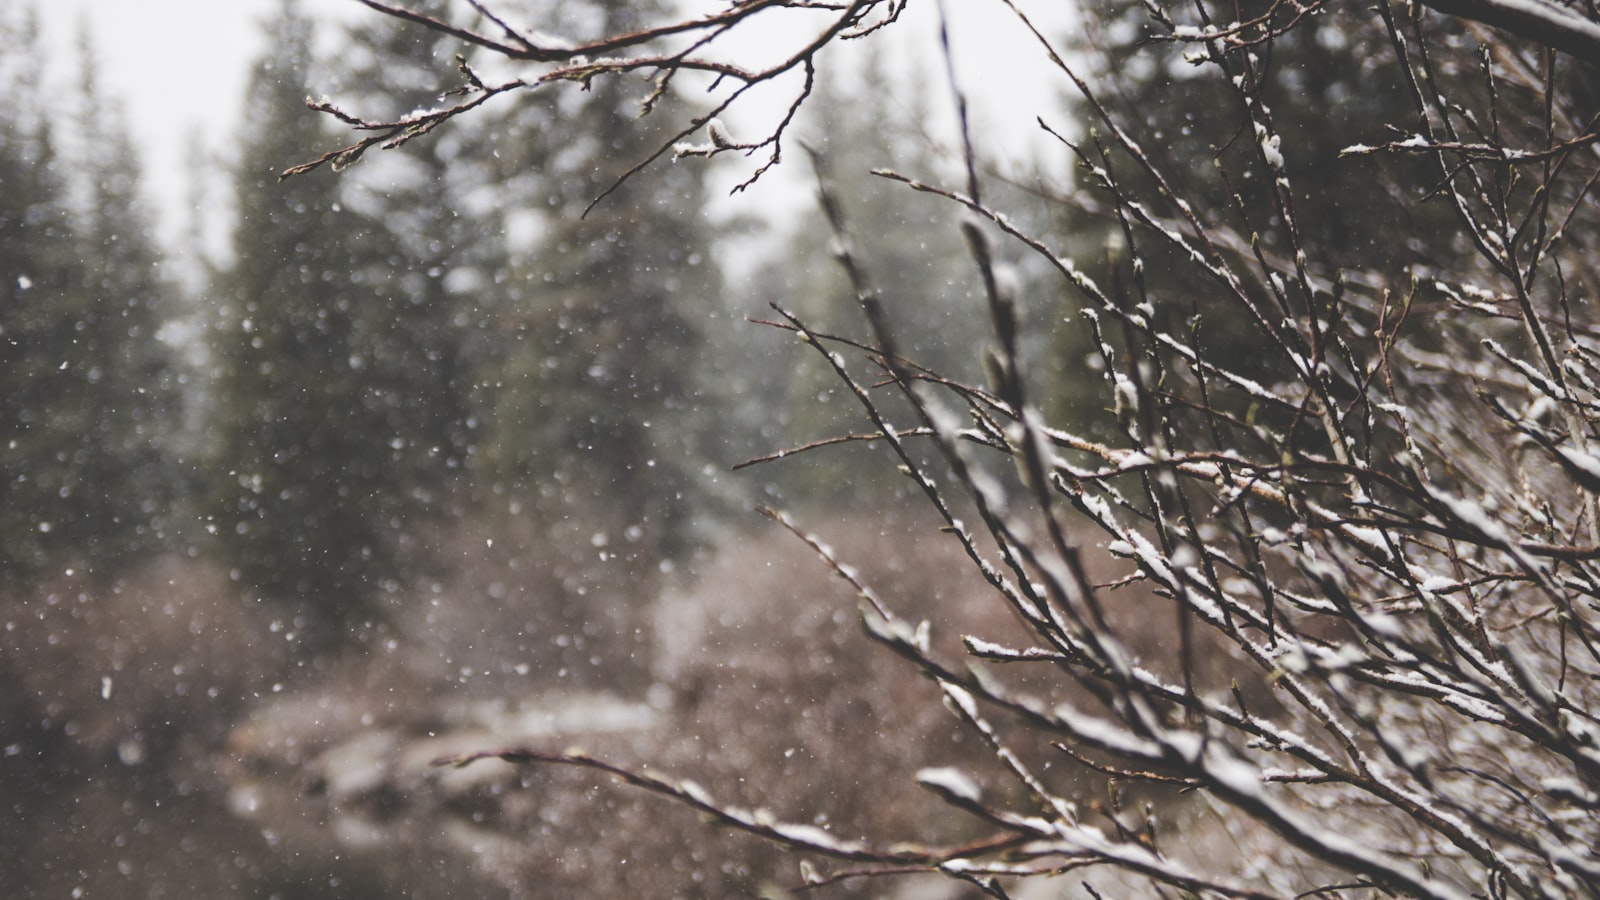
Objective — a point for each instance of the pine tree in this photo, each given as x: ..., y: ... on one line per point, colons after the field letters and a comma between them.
x: 312, y: 497
x: 1326, y: 84
x: 595, y: 397
x: 37, y: 274
x: 432, y: 253
x: 909, y: 244
x: 592, y: 426
x: 129, y: 384
x: 84, y: 402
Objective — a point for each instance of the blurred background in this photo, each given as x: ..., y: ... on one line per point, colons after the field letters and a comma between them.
x: 307, y: 483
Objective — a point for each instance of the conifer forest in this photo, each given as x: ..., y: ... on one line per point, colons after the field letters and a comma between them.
x: 770, y: 448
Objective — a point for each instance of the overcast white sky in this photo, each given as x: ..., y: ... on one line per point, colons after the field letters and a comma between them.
x: 179, y: 68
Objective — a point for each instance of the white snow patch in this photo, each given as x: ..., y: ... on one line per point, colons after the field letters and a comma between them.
x: 950, y: 783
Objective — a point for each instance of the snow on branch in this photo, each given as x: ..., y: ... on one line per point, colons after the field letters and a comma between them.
x: 1542, y: 21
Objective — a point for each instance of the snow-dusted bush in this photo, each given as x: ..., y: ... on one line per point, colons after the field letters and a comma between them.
x: 1372, y: 524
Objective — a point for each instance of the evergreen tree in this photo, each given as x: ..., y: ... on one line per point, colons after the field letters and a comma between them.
x: 84, y: 403
x: 910, y: 246
x: 314, y: 499
x: 432, y: 253
x: 1326, y: 84
x: 37, y: 274
x: 594, y: 403
x: 592, y: 426
x: 130, y: 383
